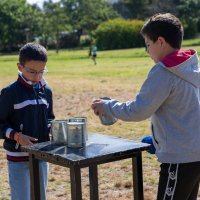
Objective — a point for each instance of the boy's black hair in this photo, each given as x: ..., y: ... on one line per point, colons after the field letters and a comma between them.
x: 32, y: 51
x: 164, y: 25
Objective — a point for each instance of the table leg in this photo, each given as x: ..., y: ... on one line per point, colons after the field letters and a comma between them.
x: 137, y: 176
x: 75, y: 176
x: 93, y: 176
x: 34, y: 177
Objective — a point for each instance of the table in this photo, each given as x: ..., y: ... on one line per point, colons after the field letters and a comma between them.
x: 98, y: 150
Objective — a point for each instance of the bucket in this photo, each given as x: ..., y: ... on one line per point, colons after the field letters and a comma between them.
x: 76, y: 135
x: 107, y: 119
x: 83, y: 120
x: 58, y: 131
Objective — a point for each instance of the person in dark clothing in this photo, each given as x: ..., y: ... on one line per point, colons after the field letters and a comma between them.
x: 26, y: 108
x: 94, y: 54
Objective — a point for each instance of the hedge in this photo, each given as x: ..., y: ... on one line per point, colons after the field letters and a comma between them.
x: 119, y: 34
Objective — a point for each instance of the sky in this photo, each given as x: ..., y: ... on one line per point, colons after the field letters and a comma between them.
x: 39, y: 2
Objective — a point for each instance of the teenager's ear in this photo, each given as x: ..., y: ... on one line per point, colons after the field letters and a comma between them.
x: 19, y: 67
x: 161, y: 41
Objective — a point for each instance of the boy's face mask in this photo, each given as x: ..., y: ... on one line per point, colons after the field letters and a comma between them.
x: 33, y: 70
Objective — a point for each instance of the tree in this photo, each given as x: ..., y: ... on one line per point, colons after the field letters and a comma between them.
x: 54, y: 21
x: 131, y: 9
x: 85, y: 16
x: 161, y: 6
x: 188, y: 12
x: 16, y: 16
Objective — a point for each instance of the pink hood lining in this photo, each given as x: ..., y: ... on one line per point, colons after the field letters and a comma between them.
x: 177, y: 57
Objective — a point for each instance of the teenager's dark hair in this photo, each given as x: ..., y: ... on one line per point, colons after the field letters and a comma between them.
x: 165, y: 25
x: 32, y: 51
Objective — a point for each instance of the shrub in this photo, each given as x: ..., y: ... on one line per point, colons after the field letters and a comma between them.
x: 119, y: 34
x: 69, y: 39
x: 190, y: 29
x: 85, y: 40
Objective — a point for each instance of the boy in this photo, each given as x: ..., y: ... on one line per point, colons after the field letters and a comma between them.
x: 26, y: 107
x: 94, y: 54
x: 171, y: 97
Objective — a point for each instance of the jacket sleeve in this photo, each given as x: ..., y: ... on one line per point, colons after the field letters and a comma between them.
x: 154, y: 91
x: 51, y: 115
x: 6, y: 110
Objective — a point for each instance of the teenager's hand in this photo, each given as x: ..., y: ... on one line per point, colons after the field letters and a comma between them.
x: 97, y: 106
x: 24, y: 140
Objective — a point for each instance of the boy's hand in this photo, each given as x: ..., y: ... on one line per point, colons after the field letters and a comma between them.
x: 97, y: 106
x: 24, y: 140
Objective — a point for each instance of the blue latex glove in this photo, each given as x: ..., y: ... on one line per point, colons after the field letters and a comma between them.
x: 148, y: 140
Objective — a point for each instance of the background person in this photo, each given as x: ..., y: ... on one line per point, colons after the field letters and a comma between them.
x: 94, y: 54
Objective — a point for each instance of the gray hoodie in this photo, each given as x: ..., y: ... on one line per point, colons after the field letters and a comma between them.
x: 171, y: 97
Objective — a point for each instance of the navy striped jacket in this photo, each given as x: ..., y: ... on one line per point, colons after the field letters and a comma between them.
x: 26, y: 108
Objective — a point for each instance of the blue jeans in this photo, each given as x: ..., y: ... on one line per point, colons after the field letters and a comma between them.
x: 19, y: 180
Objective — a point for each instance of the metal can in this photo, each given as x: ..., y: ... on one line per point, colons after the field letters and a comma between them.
x: 58, y: 131
x: 83, y: 120
x: 75, y: 134
x: 107, y: 119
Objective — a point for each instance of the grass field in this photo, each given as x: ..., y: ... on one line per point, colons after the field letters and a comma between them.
x: 76, y: 82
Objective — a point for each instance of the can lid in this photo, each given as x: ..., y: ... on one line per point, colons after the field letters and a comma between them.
x: 58, y: 121
x: 75, y: 123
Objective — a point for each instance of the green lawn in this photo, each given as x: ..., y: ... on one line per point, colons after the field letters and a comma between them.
x: 76, y: 82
